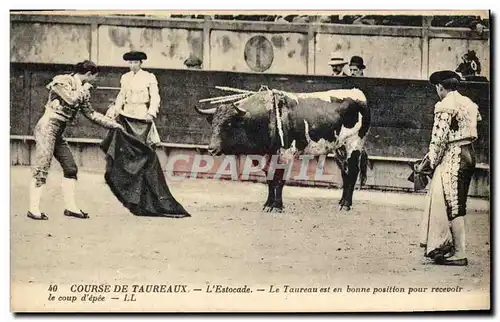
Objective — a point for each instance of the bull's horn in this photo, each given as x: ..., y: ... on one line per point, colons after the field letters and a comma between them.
x: 239, y: 109
x: 209, y: 111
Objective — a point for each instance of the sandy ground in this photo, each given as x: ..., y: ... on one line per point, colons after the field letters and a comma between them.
x: 228, y: 240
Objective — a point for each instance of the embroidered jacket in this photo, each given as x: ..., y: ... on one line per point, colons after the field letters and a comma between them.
x: 139, y: 95
x: 68, y: 95
x: 455, y: 120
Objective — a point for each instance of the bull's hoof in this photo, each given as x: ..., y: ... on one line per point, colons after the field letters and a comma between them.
x: 344, y: 205
x: 277, y: 210
x: 273, y: 209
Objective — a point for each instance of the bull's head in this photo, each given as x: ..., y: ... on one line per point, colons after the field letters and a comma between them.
x: 238, y: 128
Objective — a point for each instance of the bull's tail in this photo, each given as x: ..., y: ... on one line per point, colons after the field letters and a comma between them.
x: 366, y: 120
x: 364, y: 163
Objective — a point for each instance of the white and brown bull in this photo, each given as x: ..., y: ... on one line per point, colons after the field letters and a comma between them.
x: 272, y: 122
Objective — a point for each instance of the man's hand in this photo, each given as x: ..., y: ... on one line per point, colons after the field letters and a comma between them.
x: 111, y: 113
x: 423, y: 166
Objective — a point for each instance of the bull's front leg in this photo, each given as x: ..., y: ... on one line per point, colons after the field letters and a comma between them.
x: 340, y: 160
x: 350, y: 179
x: 278, y: 197
x: 270, y: 194
x: 275, y: 186
x: 344, y: 182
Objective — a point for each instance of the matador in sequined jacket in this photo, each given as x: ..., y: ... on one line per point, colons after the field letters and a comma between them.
x: 451, y: 160
x: 67, y: 97
x: 454, y: 130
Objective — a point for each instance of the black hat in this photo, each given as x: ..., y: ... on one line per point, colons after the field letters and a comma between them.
x: 193, y: 61
x: 471, y: 55
x: 135, y: 55
x: 357, y: 61
x: 443, y: 75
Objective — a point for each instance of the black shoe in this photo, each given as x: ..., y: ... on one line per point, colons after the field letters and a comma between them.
x: 438, y: 257
x: 35, y: 217
x: 176, y: 215
x: 80, y: 215
x: 453, y: 262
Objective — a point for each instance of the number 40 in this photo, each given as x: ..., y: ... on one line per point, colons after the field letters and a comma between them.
x: 53, y: 288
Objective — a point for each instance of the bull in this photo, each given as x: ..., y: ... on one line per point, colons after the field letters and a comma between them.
x: 272, y: 122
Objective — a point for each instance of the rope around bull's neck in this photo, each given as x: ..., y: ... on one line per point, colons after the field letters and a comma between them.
x: 279, y: 121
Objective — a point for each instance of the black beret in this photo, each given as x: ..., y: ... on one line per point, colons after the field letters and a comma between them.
x: 135, y: 55
x: 440, y: 76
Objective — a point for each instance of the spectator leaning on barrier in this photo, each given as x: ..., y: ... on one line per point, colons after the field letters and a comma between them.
x: 357, y: 66
x: 281, y: 19
x: 338, y: 63
x: 470, y: 68
x: 470, y: 65
x: 475, y: 23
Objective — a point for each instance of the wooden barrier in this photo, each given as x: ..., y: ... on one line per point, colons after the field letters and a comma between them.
x: 402, y: 110
x: 180, y: 160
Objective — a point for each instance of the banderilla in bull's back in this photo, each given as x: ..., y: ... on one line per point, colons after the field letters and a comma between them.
x: 242, y: 93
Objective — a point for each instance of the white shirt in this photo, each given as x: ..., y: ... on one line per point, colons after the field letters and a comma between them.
x: 139, y: 95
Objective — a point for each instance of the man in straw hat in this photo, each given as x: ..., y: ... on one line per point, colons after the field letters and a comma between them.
x: 338, y: 63
x: 138, y: 103
x: 451, y: 160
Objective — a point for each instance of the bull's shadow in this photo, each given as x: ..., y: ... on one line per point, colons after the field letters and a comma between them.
x: 285, y: 125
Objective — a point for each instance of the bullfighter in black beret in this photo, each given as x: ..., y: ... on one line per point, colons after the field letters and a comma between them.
x: 137, y: 105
